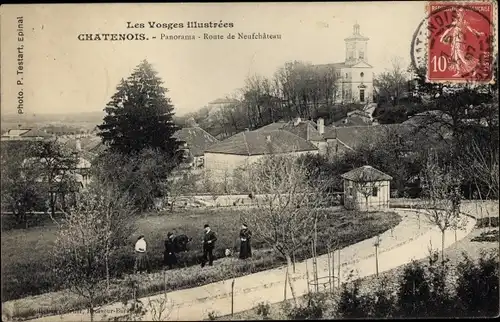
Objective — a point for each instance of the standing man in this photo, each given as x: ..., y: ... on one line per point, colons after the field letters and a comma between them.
x: 169, y: 257
x: 141, y: 261
x: 209, y: 239
x: 245, y: 237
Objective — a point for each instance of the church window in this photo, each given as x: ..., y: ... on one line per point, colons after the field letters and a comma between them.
x: 362, y: 74
x: 346, y: 75
x: 361, y: 55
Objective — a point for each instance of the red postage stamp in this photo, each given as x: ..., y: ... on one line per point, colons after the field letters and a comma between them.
x: 460, y: 42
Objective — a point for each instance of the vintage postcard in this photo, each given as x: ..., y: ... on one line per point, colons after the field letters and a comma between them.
x: 246, y: 161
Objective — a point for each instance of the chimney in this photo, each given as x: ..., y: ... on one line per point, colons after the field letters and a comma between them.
x: 297, y: 121
x: 268, y: 138
x: 321, y: 125
x: 78, y: 145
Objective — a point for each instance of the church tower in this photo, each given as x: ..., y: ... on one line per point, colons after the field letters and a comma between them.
x: 356, y: 47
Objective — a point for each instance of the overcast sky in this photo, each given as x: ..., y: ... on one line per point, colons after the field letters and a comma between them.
x: 65, y: 75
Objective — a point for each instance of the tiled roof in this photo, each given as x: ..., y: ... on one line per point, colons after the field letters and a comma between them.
x: 305, y: 130
x: 366, y: 174
x: 87, y: 143
x: 36, y: 133
x: 256, y: 143
x: 352, y: 136
x: 272, y: 126
x: 196, y: 138
x: 330, y: 66
x: 16, y: 132
x: 352, y: 121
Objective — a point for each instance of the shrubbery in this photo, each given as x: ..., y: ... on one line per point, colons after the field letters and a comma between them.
x: 424, y: 290
x: 428, y: 290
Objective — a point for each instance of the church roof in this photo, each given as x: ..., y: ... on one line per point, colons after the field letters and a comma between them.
x: 357, y: 37
x: 333, y: 66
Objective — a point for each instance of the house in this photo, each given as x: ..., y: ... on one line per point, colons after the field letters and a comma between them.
x: 247, y: 147
x: 305, y: 129
x: 332, y: 139
x: 355, y: 118
x: 195, y: 141
x: 366, y: 189
x: 25, y: 134
x: 219, y: 104
x: 354, y: 76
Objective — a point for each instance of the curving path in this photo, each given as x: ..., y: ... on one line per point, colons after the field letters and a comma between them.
x: 409, y: 240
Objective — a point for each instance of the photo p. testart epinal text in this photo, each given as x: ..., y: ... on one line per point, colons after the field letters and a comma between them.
x: 20, y: 64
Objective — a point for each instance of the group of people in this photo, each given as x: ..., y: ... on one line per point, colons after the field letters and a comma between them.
x: 208, y: 242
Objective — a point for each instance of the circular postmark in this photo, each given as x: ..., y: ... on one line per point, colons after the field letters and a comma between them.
x: 454, y: 43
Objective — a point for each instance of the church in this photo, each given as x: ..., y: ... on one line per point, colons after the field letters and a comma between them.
x: 354, y: 76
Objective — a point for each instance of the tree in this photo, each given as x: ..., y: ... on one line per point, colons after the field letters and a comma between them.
x: 393, y: 83
x: 80, y: 254
x: 180, y: 185
x: 117, y: 217
x: 56, y: 166
x: 441, y: 188
x: 21, y: 190
x: 139, y: 116
x: 141, y: 175
x: 288, y: 204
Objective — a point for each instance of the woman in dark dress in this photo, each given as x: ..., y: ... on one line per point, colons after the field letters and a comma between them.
x: 245, y: 239
x: 169, y: 258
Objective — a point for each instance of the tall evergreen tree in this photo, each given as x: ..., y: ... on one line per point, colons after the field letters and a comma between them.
x: 140, y: 116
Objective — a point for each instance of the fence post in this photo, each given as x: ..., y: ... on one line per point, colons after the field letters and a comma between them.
x: 377, y: 243
x: 232, y: 297
x: 338, y: 270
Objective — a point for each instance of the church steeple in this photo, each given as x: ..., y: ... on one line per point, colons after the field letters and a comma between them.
x: 356, y: 29
x: 356, y: 47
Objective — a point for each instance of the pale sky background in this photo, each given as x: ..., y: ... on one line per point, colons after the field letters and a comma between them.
x: 65, y: 75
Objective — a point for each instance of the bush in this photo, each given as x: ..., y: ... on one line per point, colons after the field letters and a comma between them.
x: 485, y: 222
x: 382, y: 303
x: 477, y: 290
x: 312, y: 308
x: 263, y: 310
x: 488, y: 236
x: 352, y: 304
x: 414, y: 291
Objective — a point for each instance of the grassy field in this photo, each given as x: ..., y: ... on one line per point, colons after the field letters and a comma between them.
x: 472, y: 245
x: 27, y: 271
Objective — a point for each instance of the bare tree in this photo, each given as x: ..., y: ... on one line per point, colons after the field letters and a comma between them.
x: 393, y: 83
x: 80, y: 254
x: 117, y: 217
x: 160, y: 308
x: 365, y: 187
x: 179, y: 186
x: 441, y: 191
x: 88, y: 236
x: 483, y: 165
x: 288, y: 204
